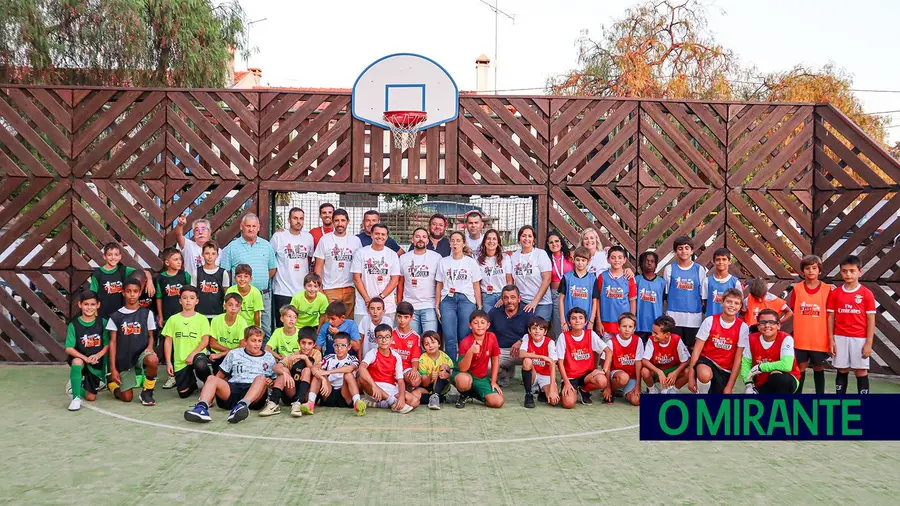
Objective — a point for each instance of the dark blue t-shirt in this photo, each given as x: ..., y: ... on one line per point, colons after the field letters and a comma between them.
x: 366, y: 240
x: 509, y: 330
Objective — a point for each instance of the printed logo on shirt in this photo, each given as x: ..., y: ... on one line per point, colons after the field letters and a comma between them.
x: 539, y: 362
x: 720, y: 342
x: 491, y: 270
x: 91, y: 340
x: 626, y: 359
x: 848, y: 309
x: 112, y: 287
x: 646, y: 295
x: 581, y: 354
x: 339, y: 254
x: 684, y: 283
x: 376, y: 267
x: 173, y: 290
x: 418, y: 271
x: 296, y: 251
x: 198, y: 260
x: 717, y: 296
x: 665, y: 358
x: 209, y: 287
x: 523, y: 269
x: 145, y: 302
x: 858, y: 298
x: 810, y: 309
x: 579, y: 292
x: 131, y: 328
x: 458, y: 275
x: 614, y: 292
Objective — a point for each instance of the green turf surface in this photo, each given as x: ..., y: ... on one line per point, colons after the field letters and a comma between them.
x: 52, y: 456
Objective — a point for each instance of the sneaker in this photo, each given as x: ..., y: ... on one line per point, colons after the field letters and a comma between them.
x: 75, y: 405
x: 360, y: 407
x: 654, y: 389
x: 503, y: 382
x: 670, y: 390
x: 238, y: 413
x: 529, y: 400
x: 405, y: 409
x: 586, y: 398
x: 147, y: 398
x: 461, y: 403
x: 434, y: 401
x: 271, y: 408
x: 295, y: 409
x: 170, y: 383
x: 370, y: 401
x: 198, y: 413
x: 69, y: 388
x: 308, y: 408
x: 542, y: 397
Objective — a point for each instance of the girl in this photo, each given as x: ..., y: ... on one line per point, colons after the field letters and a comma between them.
x: 458, y: 281
x: 561, y: 263
x: 435, y: 368
x: 624, y: 369
x: 494, y: 275
x: 530, y: 268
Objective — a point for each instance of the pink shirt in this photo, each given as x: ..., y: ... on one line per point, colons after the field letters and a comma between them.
x: 560, y: 266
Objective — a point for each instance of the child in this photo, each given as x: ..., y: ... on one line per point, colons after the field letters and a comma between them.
x: 760, y: 299
x: 107, y: 280
x: 226, y: 330
x: 716, y: 361
x: 435, y: 368
x: 336, y: 313
x: 295, y: 373
x: 665, y: 358
x: 251, y: 297
x: 538, y: 354
x: 374, y: 318
x: 624, y: 370
x: 477, y: 352
x: 169, y: 284
x: 86, y: 345
x: 768, y: 365
x: 187, y: 337
x: 650, y: 292
x: 808, y: 301
x: 335, y: 380
x: 131, y: 347
x: 284, y: 339
x: 249, y: 371
x: 618, y: 293
x: 851, y: 327
x: 311, y: 302
x: 145, y: 300
x: 578, y: 350
x: 405, y: 342
x: 577, y: 289
x: 381, y: 376
x: 685, y: 291
x: 719, y: 280
x: 212, y: 281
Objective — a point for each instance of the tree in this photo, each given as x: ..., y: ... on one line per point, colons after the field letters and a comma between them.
x: 120, y: 42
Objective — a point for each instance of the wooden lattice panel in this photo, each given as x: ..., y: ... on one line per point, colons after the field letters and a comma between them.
x: 431, y: 160
x: 36, y: 138
x: 33, y: 315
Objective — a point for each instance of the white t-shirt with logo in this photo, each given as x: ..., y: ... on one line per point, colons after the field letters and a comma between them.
x: 474, y: 244
x: 367, y: 332
x: 493, y: 277
x: 292, y: 254
x: 418, y: 273
x: 458, y: 276
x: 376, y: 268
x: 598, y: 263
x: 337, y: 252
x: 526, y: 270
x: 193, y: 257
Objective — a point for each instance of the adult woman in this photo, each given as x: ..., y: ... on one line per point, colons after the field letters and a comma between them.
x: 561, y: 263
x: 494, y: 275
x: 458, y: 281
x: 531, y: 271
x: 590, y: 239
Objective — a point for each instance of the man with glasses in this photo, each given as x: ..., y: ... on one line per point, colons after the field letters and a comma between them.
x: 768, y: 365
x: 192, y: 250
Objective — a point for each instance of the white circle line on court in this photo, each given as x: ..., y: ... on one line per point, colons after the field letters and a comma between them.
x: 357, y: 443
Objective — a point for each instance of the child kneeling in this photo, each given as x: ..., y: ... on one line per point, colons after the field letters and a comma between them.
x: 381, y: 376
x: 435, y: 368
x: 579, y: 351
x: 538, y: 354
x: 665, y: 357
x: 624, y: 370
x: 295, y: 373
x: 476, y: 352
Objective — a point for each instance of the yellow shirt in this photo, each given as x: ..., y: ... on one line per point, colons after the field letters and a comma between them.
x: 428, y: 364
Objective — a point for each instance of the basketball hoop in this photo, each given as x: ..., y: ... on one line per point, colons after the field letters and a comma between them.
x: 405, y: 126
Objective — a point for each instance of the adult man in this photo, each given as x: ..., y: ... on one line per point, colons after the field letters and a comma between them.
x: 475, y: 229
x: 334, y: 257
x: 371, y: 217
x: 326, y: 215
x: 437, y: 224
x: 417, y: 270
x: 509, y: 323
x: 192, y: 250
x: 256, y: 252
x: 376, y: 273
x: 293, y: 252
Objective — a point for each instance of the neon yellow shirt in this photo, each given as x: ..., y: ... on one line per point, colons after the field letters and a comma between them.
x: 186, y: 334
x: 229, y: 337
x: 252, y: 302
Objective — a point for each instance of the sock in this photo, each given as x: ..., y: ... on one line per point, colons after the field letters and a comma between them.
x: 527, y: 380
x: 149, y: 383
x: 703, y: 388
x: 383, y: 405
x: 275, y: 395
x: 355, y: 397
x: 391, y: 400
x: 245, y: 402
x: 819, y: 379
x: 203, y: 404
x: 313, y: 395
x: 862, y: 384
x: 840, y: 383
x: 113, y: 387
x: 302, y: 390
x: 802, y: 380
x: 440, y: 385
x: 75, y: 377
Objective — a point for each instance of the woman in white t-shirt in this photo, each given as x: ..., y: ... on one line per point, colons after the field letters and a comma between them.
x: 458, y: 281
x: 590, y: 239
x: 531, y: 270
x: 493, y: 264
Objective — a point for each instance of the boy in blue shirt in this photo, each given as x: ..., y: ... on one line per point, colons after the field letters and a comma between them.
x: 651, y: 290
x: 618, y: 293
x: 685, y: 291
x: 577, y: 289
x: 336, y: 313
x: 719, y: 280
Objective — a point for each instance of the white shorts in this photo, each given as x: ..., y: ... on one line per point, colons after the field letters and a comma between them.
x: 540, y: 381
x: 848, y: 353
x: 506, y: 359
x: 389, y: 388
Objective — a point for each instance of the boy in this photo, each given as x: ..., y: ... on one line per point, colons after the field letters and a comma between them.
x: 624, y: 370
x: 719, y: 280
x: 538, y: 354
x: 851, y: 327
x: 405, y: 342
x: 478, y: 351
x: 381, y: 376
x: 716, y: 360
x: 212, y: 281
x: 295, y: 373
x: 577, y: 289
x: 187, y: 337
x: 250, y: 371
x: 336, y: 313
x: 768, y: 365
x: 251, y: 297
x: 131, y: 347
x: 311, y: 302
x: 578, y: 350
x: 760, y: 299
x: 226, y: 330
x: 86, y: 345
x: 685, y: 291
x: 145, y: 300
x: 284, y: 339
x: 665, y: 358
x: 618, y: 293
x: 335, y: 380
x: 435, y: 368
x: 374, y: 318
x: 107, y: 281
x: 651, y: 290
x: 808, y: 301
x: 169, y: 284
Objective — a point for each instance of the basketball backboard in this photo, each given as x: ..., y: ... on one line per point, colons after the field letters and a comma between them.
x: 405, y: 82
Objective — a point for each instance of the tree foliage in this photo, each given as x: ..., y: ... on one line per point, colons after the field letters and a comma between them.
x: 120, y: 42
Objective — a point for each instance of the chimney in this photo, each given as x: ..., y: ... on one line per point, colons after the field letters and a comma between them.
x: 482, y: 68
x: 257, y: 75
x: 229, y: 77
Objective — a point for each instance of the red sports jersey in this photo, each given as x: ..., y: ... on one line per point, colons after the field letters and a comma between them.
x: 721, y: 344
x: 624, y: 357
x: 850, y: 309
x: 579, y: 358
x: 406, y: 346
x: 666, y: 356
x: 383, y: 368
x: 541, y: 366
x: 761, y: 355
x: 482, y: 360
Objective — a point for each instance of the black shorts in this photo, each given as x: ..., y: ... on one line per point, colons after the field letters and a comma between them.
x: 579, y: 381
x: 811, y: 357
x: 89, y: 380
x: 216, y: 363
x: 334, y: 400
x: 238, y: 391
x: 688, y: 335
x: 720, y: 376
x: 186, y: 380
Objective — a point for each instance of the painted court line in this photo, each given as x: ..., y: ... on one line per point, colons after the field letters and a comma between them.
x: 356, y: 443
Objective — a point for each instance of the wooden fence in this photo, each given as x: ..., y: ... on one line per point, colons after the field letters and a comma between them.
x: 772, y: 182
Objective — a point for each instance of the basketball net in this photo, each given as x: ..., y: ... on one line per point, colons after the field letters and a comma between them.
x: 405, y: 127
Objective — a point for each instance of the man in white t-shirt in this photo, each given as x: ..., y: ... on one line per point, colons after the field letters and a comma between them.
x: 293, y: 252
x: 334, y: 258
x: 475, y: 231
x: 192, y: 250
x: 376, y: 273
x: 417, y: 270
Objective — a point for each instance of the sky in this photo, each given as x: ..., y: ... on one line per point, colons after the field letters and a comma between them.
x: 327, y: 44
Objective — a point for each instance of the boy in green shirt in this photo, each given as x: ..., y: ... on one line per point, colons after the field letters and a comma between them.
x: 86, y: 345
x: 226, y: 331
x: 169, y: 284
x: 107, y: 281
x: 187, y: 336
x: 284, y: 340
x: 311, y: 303
x: 251, y: 298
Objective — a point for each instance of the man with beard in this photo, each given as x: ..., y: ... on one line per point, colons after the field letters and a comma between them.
x: 293, y: 251
x: 437, y: 224
x: 334, y: 258
x: 192, y: 250
x: 376, y: 273
x: 371, y: 217
x: 417, y: 270
x: 509, y: 323
x: 326, y: 215
x: 256, y: 252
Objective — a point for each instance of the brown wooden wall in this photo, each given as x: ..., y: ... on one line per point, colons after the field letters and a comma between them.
x: 772, y: 182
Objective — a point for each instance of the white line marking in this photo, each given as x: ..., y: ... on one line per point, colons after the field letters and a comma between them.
x: 357, y: 443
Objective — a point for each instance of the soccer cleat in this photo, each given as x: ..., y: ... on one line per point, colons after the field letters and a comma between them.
x: 586, y: 398
x: 308, y: 408
x: 405, y: 409
x: 654, y: 389
x: 238, y: 413
x: 542, y: 397
x: 461, y: 403
x: 529, y: 400
x: 75, y: 405
x: 147, y: 398
x: 434, y: 401
x: 295, y: 409
x: 198, y: 413
x: 170, y: 383
x: 360, y: 407
x: 271, y: 408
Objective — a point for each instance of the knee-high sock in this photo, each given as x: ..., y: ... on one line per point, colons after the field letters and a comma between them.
x: 275, y: 395
x: 840, y: 383
x: 802, y: 380
x: 819, y: 379
x: 440, y: 385
x: 75, y: 373
x: 527, y: 380
x: 703, y: 388
x: 302, y: 391
x: 862, y: 384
